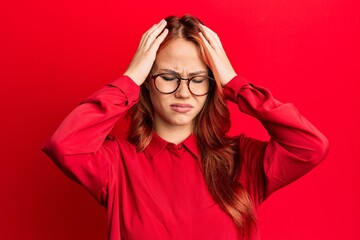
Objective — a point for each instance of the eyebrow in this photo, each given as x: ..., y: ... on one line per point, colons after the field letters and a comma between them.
x: 190, y: 74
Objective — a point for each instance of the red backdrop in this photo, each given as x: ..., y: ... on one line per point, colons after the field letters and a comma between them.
x: 55, y: 53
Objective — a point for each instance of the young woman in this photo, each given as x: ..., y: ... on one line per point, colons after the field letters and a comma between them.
x: 178, y: 175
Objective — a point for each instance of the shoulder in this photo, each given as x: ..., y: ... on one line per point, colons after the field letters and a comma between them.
x: 120, y: 145
x: 115, y: 140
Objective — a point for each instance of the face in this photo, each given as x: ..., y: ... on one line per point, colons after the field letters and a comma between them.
x: 181, y: 107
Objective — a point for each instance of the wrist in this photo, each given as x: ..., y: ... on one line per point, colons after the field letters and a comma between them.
x: 228, y: 78
x: 134, y: 77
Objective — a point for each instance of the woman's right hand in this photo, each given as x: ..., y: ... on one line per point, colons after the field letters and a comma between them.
x: 145, y: 55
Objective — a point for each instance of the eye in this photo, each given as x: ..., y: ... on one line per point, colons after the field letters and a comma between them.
x: 169, y: 77
x: 199, y: 79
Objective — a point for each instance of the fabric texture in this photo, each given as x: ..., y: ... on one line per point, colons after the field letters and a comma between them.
x: 160, y: 193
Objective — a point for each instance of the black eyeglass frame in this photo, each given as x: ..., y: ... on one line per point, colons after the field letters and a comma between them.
x: 212, y: 83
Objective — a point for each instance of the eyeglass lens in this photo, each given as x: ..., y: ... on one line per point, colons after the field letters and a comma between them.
x: 168, y: 83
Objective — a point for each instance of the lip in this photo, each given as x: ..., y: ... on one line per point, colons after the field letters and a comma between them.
x: 181, y: 107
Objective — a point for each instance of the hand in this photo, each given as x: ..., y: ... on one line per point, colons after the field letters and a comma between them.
x: 220, y: 64
x: 145, y: 55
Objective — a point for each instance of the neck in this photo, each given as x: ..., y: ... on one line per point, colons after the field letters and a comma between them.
x: 173, y: 133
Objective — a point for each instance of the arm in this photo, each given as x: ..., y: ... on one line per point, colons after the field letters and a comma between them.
x: 295, y: 147
x: 80, y: 147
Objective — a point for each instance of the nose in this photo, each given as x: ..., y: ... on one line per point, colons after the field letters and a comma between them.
x: 183, y: 90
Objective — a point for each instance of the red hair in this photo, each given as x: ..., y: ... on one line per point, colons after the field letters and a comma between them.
x: 220, y: 160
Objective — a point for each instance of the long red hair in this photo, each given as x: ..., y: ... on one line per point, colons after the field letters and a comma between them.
x: 220, y: 161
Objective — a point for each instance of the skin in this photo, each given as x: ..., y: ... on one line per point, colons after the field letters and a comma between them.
x: 174, y: 113
x: 171, y: 123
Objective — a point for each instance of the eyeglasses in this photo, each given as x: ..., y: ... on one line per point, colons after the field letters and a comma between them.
x: 168, y: 83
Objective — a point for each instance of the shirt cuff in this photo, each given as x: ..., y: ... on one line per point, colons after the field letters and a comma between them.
x: 232, y: 88
x: 128, y: 87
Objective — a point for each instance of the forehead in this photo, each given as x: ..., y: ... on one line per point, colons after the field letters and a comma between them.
x: 180, y: 55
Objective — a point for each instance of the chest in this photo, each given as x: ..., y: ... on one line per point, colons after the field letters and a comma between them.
x: 167, y: 197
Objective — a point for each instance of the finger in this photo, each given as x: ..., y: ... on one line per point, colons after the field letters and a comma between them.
x: 159, y: 24
x: 159, y: 40
x: 212, y: 37
x: 154, y: 34
x: 145, y: 33
x: 209, y: 30
x: 207, y: 44
x: 209, y: 51
x: 148, y: 32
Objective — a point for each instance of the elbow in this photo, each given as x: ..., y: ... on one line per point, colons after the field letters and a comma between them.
x: 55, y: 150
x: 52, y: 148
x: 321, y: 151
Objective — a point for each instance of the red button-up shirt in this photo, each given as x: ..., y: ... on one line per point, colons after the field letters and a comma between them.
x: 160, y: 193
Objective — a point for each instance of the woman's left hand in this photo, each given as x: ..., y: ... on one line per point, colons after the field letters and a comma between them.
x: 220, y: 64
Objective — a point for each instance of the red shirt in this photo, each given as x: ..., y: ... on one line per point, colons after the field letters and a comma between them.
x: 160, y: 193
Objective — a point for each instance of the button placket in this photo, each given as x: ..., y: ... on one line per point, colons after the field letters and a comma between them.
x: 176, y: 149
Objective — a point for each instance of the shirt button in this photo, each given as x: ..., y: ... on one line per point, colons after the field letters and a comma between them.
x: 179, y: 147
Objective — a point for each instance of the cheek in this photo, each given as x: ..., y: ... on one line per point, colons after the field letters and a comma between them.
x: 201, y: 102
x: 154, y: 101
x: 157, y: 100
x: 153, y: 94
x: 201, y: 106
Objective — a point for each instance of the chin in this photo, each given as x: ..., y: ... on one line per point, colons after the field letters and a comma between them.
x: 181, y: 122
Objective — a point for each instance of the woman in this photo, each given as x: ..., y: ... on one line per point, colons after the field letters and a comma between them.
x: 178, y: 176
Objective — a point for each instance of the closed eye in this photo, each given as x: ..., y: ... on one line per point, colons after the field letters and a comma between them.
x: 169, y: 77
x: 199, y: 79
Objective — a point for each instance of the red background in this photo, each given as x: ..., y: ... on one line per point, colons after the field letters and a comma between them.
x: 55, y: 53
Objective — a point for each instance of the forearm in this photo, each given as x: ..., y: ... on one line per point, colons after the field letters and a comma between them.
x: 78, y: 146
x: 85, y: 128
x: 295, y: 146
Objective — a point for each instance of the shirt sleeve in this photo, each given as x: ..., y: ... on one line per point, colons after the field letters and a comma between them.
x: 295, y: 146
x: 81, y: 147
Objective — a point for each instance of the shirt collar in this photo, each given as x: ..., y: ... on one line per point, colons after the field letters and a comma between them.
x: 158, y: 144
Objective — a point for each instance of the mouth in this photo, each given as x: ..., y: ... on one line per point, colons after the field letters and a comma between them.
x: 181, y: 108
